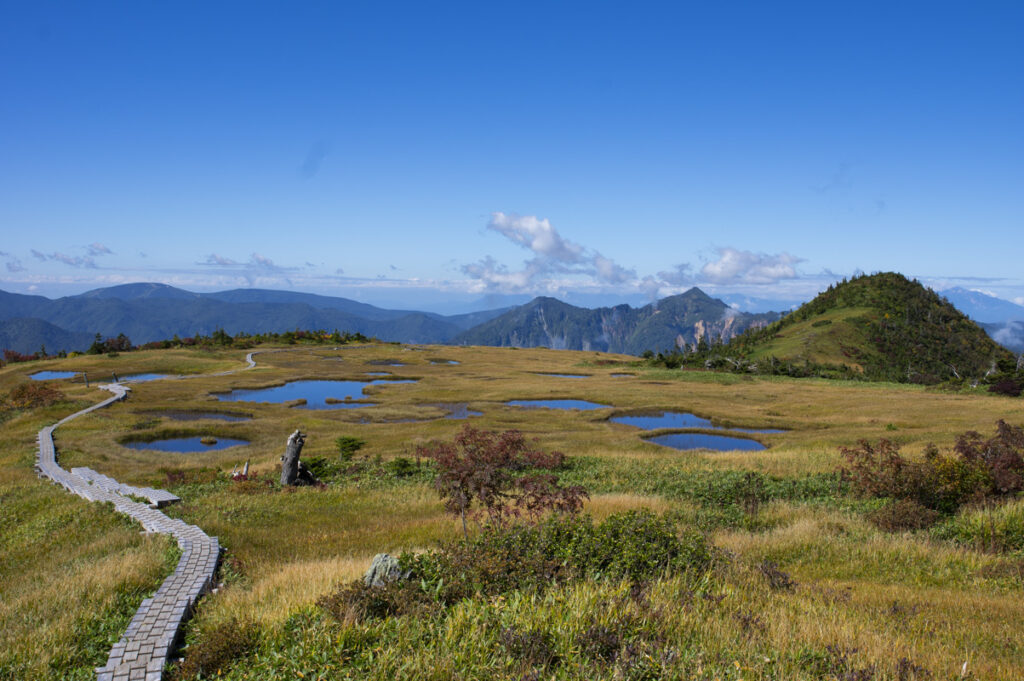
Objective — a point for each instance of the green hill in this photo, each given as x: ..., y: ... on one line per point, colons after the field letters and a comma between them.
x: 882, y: 326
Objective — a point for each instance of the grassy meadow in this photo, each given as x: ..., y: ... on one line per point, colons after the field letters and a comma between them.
x: 804, y: 586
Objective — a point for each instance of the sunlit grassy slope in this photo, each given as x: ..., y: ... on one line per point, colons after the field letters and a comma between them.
x: 72, y: 572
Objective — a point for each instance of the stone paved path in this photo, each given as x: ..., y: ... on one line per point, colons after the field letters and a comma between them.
x: 153, y: 633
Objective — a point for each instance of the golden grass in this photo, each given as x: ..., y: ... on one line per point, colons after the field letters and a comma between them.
x: 293, y: 546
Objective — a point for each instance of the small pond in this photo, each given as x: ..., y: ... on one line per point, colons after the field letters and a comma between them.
x: 459, y: 410
x: 318, y: 394
x: 139, y: 378
x: 386, y: 363
x: 378, y: 373
x: 719, y: 443
x: 554, y: 375
x: 679, y: 419
x: 444, y: 361
x: 623, y: 375
x: 186, y: 445
x: 556, y: 404
x: 199, y: 415
x: 51, y: 375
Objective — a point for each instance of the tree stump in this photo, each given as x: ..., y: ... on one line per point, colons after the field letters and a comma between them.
x: 292, y: 470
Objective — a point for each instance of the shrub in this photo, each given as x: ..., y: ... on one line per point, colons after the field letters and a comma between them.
x: 493, y: 471
x: 218, y: 648
x: 900, y: 515
x: 633, y: 545
x: 34, y: 395
x: 401, y: 467
x: 1008, y: 387
x: 977, y: 470
x: 348, y: 446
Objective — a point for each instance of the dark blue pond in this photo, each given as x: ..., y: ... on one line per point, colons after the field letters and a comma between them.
x: 719, y: 443
x: 51, y: 375
x: 185, y: 444
x: 545, y: 373
x: 557, y: 404
x: 139, y: 378
x: 378, y: 373
x: 316, y: 393
x: 198, y: 415
x: 678, y: 419
x: 665, y: 419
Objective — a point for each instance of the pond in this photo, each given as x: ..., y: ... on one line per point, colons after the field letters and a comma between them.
x: 623, y: 375
x: 557, y: 404
x: 444, y: 361
x: 458, y: 410
x: 139, y: 378
x: 554, y: 375
x: 719, y: 443
x: 186, y: 445
x: 318, y: 394
x: 198, y: 415
x: 51, y: 375
x: 679, y: 419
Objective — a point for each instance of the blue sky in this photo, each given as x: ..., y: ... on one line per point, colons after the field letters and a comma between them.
x: 447, y: 155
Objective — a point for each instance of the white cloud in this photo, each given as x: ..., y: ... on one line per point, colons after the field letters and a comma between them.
x: 746, y: 267
x: 537, y: 235
x: 557, y: 262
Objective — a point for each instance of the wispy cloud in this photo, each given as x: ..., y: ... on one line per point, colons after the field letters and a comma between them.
x: 37, y: 255
x: 314, y: 159
x: 14, y: 265
x: 96, y: 248
x: 214, y: 259
x: 257, y: 269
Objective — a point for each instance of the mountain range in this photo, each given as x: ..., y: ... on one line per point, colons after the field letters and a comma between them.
x: 150, y: 311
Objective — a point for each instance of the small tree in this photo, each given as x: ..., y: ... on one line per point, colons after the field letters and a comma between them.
x: 498, y: 472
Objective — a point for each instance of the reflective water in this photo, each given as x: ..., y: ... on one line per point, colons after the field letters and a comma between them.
x: 51, y: 375
x: 443, y: 361
x: 139, y: 378
x: 545, y: 373
x: 185, y: 445
x: 378, y: 373
x: 316, y: 393
x: 198, y: 415
x: 623, y: 375
x: 679, y: 419
x: 719, y: 443
x: 557, y: 404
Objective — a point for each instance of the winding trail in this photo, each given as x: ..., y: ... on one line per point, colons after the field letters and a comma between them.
x: 153, y: 632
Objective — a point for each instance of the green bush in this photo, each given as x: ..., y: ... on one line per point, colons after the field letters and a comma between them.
x: 348, y: 446
x: 987, y: 528
x: 636, y: 545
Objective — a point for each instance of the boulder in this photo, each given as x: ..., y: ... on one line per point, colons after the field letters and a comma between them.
x: 383, y: 569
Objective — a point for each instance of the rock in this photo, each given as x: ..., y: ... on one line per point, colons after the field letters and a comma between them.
x: 383, y: 569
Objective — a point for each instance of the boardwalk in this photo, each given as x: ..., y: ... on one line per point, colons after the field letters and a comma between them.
x: 143, y: 650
